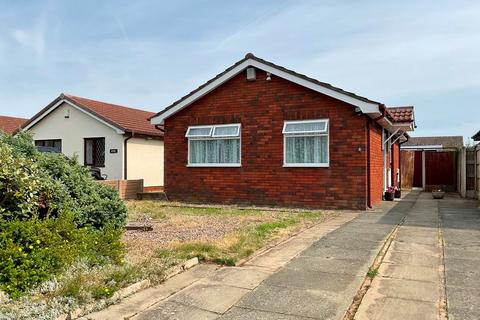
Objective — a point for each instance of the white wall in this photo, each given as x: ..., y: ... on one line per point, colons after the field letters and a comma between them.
x: 73, y: 130
x: 145, y: 161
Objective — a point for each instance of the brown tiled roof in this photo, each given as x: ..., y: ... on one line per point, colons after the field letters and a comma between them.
x: 401, y: 114
x: 253, y: 57
x: 10, y: 124
x: 446, y: 141
x: 127, y: 119
x: 476, y: 136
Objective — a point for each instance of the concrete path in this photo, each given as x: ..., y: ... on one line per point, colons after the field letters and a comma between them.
x: 409, y: 280
x: 289, y: 282
x: 317, y: 274
x: 208, y: 291
x: 461, y: 231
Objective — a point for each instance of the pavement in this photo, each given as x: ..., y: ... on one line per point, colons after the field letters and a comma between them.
x: 427, y: 252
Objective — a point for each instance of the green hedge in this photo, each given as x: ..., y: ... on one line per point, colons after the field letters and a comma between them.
x: 34, y: 184
x: 52, y: 213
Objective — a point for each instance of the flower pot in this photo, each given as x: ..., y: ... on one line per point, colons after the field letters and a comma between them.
x: 389, y: 196
x: 438, y: 194
x: 398, y: 193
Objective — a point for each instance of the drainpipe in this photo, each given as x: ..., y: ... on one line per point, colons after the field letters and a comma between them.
x: 125, y: 144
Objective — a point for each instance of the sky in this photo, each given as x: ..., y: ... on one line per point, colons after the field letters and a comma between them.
x: 147, y: 54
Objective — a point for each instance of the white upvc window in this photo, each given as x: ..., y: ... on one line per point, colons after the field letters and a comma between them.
x: 214, y: 146
x: 306, y: 143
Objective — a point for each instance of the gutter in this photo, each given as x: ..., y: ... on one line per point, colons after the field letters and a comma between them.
x: 125, y: 144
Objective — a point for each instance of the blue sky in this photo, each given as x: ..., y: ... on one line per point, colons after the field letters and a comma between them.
x: 147, y: 54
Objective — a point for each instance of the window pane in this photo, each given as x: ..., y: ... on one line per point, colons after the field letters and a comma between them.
x: 304, y: 127
x: 89, y: 152
x: 306, y: 149
x: 215, y: 151
x: 199, y: 132
x: 100, y: 152
x: 226, y: 131
x: 229, y: 151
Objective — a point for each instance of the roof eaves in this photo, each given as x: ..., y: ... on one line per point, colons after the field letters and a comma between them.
x: 250, y: 56
x: 89, y: 110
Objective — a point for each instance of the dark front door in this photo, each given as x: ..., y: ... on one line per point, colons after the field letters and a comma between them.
x: 418, y: 170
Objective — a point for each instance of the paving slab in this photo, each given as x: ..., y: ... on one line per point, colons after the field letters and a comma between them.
x: 292, y: 301
x: 393, y: 308
x: 174, y: 311
x: 404, y: 289
x: 237, y: 313
x: 353, y: 267
x: 412, y: 258
x: 216, y: 298
x: 237, y: 277
x: 339, y: 253
x: 148, y: 297
x: 311, y: 280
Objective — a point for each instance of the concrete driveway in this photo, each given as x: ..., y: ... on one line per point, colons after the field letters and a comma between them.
x: 426, y: 255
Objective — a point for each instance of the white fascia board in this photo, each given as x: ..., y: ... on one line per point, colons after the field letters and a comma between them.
x: 426, y: 147
x: 56, y: 105
x: 364, y: 106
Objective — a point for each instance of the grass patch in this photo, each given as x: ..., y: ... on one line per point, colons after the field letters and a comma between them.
x: 236, y: 246
x: 372, y: 273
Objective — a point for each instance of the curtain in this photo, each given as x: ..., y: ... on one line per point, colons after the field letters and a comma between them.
x: 306, y: 149
x: 220, y: 151
x: 305, y: 127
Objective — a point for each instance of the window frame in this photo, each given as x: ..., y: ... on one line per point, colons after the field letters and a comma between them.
x: 94, y: 164
x: 321, y: 133
x: 44, y: 140
x: 212, y: 137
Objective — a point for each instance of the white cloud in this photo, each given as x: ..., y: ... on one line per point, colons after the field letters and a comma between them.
x: 34, y: 39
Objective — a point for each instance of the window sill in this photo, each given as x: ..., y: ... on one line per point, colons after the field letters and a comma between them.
x: 214, y: 165
x: 306, y: 165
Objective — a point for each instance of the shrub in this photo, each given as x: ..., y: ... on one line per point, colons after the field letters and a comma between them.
x: 34, y: 184
x: 52, y: 214
x: 35, y: 250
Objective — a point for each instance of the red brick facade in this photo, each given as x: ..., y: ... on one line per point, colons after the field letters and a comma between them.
x: 261, y: 107
x: 376, y: 163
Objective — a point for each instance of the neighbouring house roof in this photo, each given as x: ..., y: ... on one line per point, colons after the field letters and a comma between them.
x: 10, y: 124
x: 366, y: 105
x: 401, y: 114
x: 476, y: 136
x: 445, y: 142
x: 124, y: 119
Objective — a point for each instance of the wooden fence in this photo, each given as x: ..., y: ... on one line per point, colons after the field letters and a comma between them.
x: 473, y: 172
x: 127, y: 189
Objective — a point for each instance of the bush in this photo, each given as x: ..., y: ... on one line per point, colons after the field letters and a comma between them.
x: 35, y: 250
x: 34, y: 184
x: 52, y: 214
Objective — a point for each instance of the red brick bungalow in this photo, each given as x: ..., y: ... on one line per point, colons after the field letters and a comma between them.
x: 261, y: 134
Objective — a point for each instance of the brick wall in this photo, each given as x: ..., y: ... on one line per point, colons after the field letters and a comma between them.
x: 261, y: 107
x: 376, y: 164
x: 127, y: 189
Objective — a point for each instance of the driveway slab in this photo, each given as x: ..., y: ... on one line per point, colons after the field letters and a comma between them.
x: 393, y: 308
x: 212, y: 297
x: 175, y: 311
x: 461, y: 224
